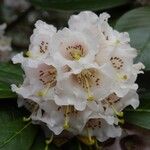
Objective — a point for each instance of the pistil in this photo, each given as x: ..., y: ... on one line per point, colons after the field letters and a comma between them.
x: 91, y: 140
x: 90, y: 97
x: 66, y: 121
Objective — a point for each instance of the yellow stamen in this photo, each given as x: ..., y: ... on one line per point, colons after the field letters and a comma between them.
x: 121, y: 121
x: 91, y: 140
x: 125, y: 77
x: 66, y: 122
x: 85, y: 140
x: 76, y: 56
x: 90, y: 96
x: 26, y: 119
x: 40, y: 93
x: 122, y: 76
x: 44, y: 91
x: 117, y: 41
x: 28, y: 53
x: 120, y: 114
x: 31, y: 55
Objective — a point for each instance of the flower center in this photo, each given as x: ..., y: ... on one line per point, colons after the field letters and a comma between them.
x: 43, y: 47
x: 67, y: 111
x: 122, y: 77
x: 87, y: 79
x: 75, y: 52
x: 66, y: 68
x: 93, y: 123
x: 47, y: 77
x: 110, y: 101
x: 117, y: 62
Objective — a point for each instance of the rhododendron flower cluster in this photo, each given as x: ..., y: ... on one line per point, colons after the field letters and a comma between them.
x: 5, y: 45
x: 79, y: 78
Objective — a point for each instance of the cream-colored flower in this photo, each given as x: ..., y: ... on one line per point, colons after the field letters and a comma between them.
x: 113, y: 104
x: 79, y: 78
x: 111, y: 36
x: 100, y: 129
x: 40, y: 46
x: 59, y: 118
x: 38, y: 84
x: 82, y: 89
x: 74, y: 49
x: 86, y: 22
x: 117, y: 63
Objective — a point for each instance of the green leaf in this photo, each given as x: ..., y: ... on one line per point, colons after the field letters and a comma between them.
x: 5, y: 91
x: 137, y: 23
x: 78, y: 5
x: 10, y: 123
x: 140, y: 116
x: 141, y: 119
x: 9, y: 74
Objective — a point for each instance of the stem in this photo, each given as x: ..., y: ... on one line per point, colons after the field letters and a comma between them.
x: 13, y: 136
x: 46, y: 148
x: 47, y: 142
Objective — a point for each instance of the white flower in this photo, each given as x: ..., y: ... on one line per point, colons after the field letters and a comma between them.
x: 74, y: 49
x: 114, y: 103
x: 59, y: 118
x: 5, y: 44
x: 117, y: 63
x: 82, y: 89
x: 100, y: 129
x: 111, y: 36
x: 39, y: 82
x: 79, y: 78
x: 40, y: 47
x: 116, y: 58
x: 85, y: 21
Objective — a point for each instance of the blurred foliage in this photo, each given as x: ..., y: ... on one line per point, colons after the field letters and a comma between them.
x: 77, y: 5
x: 126, y: 15
x: 136, y: 22
x: 11, y: 122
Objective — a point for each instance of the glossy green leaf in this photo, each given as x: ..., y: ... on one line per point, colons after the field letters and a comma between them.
x: 9, y: 74
x: 140, y: 116
x: 5, y: 91
x: 10, y: 123
x: 78, y: 5
x: 137, y: 23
